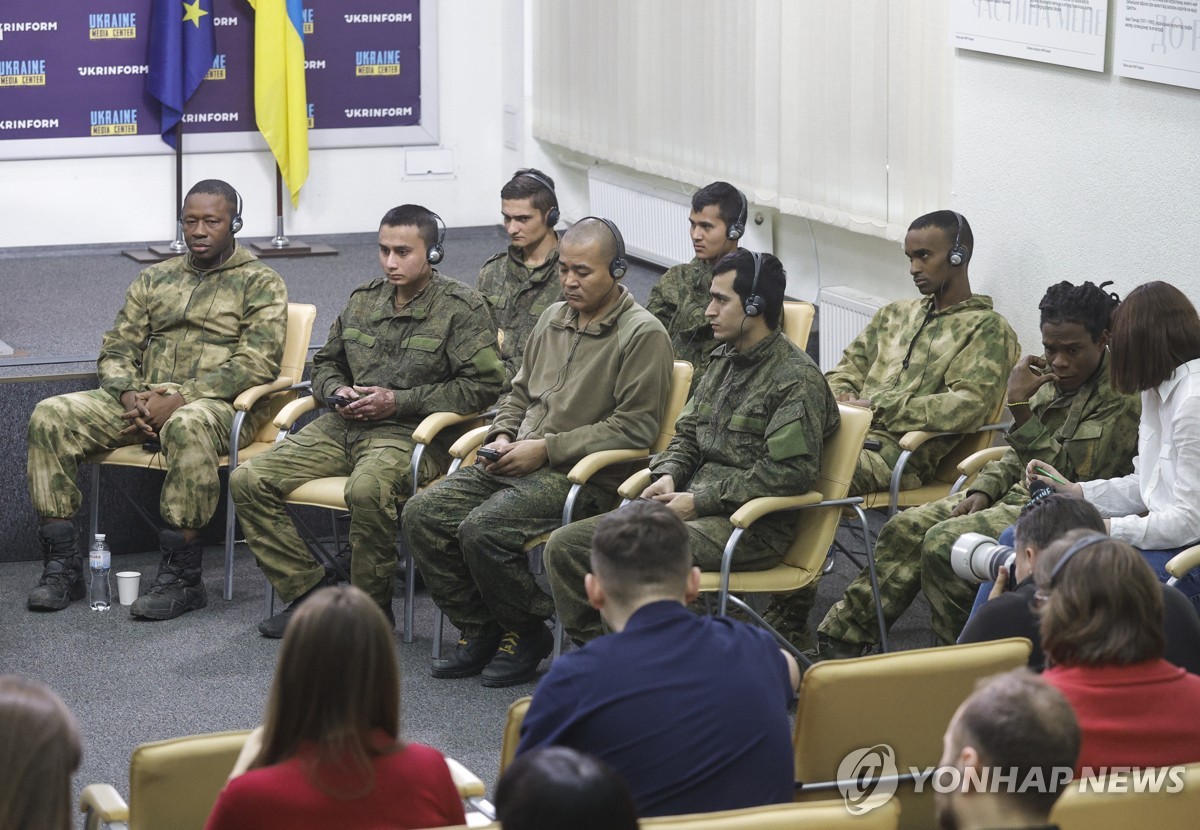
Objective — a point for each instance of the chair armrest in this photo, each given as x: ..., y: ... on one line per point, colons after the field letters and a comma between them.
x: 594, y: 462
x: 292, y: 411
x: 755, y: 509
x: 976, y: 461
x: 468, y: 783
x: 633, y: 486
x: 105, y: 802
x: 432, y: 424
x: 249, y: 397
x: 913, y: 441
x: 1184, y: 561
x: 469, y: 442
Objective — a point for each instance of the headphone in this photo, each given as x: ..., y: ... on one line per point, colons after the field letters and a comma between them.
x: 958, y: 254
x: 1086, y: 541
x: 738, y: 228
x: 619, y: 264
x: 435, y: 254
x: 552, y: 215
x: 754, y: 304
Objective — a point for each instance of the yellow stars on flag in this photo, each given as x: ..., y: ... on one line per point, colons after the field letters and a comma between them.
x: 192, y: 12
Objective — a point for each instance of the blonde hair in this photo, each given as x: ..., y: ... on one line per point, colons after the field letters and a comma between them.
x: 336, y: 687
x: 40, y: 751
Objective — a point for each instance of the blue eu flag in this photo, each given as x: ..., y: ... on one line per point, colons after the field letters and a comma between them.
x: 182, y: 45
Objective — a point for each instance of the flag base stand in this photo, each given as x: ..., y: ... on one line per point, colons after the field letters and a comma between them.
x: 152, y: 254
x: 266, y: 248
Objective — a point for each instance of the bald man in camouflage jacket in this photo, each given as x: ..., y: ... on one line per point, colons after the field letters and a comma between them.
x: 194, y: 332
x: 938, y: 364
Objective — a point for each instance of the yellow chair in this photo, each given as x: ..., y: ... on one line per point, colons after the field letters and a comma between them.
x: 903, y: 700
x: 1082, y: 807
x: 1182, y: 562
x: 818, y: 513
x: 512, y: 730
x: 175, y: 783
x: 329, y: 492
x: 282, y: 390
x: 797, y: 321
x: 463, y: 451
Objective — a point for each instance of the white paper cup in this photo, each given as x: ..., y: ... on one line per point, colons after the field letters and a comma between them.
x: 127, y: 586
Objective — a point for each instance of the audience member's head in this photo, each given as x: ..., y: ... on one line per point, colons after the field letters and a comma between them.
x: 1045, y: 521
x: 414, y: 216
x: 952, y: 225
x: 1075, y: 330
x: 771, y: 285
x: 558, y: 788
x: 216, y: 187
x: 640, y: 553
x: 1154, y: 331
x: 1013, y: 723
x: 726, y: 198
x: 1101, y: 603
x: 336, y: 687
x: 39, y: 751
x: 534, y: 185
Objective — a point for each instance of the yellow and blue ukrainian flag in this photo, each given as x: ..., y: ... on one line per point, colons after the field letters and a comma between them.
x: 182, y: 45
x: 280, y: 101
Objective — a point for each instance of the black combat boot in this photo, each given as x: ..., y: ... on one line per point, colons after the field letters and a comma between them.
x: 62, y: 573
x: 178, y: 587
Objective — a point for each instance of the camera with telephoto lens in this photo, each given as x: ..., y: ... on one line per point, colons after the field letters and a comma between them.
x: 978, y: 558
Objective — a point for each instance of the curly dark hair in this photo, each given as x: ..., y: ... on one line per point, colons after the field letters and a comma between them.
x: 1089, y: 305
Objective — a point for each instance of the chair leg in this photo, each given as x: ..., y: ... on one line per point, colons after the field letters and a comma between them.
x: 270, y: 601
x: 410, y: 592
x: 94, y: 519
x: 870, y: 554
x: 558, y: 636
x: 438, y: 620
x: 230, y: 542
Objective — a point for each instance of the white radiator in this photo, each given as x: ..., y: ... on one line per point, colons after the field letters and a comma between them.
x: 844, y: 312
x: 654, y: 220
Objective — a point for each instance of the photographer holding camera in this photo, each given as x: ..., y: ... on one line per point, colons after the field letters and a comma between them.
x: 1064, y: 410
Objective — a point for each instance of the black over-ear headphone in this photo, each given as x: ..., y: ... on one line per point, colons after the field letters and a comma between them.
x: 435, y: 254
x: 1086, y: 541
x: 755, y: 304
x: 619, y: 264
x: 552, y: 215
x: 738, y: 228
x: 236, y: 224
x: 958, y: 254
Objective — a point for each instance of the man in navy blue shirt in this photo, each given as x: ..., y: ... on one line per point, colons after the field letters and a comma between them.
x: 691, y: 711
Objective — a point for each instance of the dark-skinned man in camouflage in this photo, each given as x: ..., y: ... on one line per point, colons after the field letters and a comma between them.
x: 522, y: 282
x: 935, y: 364
x: 193, y: 333
x: 755, y: 426
x: 680, y: 296
x: 595, y: 375
x: 407, y: 345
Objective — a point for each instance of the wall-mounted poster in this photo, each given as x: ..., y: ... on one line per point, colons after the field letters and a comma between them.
x: 1158, y: 40
x: 73, y: 77
x: 1064, y: 32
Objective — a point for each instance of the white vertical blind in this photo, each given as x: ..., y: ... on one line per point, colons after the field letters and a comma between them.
x: 835, y: 110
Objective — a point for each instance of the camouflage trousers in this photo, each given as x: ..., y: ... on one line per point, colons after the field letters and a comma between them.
x: 66, y: 428
x: 908, y: 540
x: 568, y: 559
x: 379, y: 479
x: 788, y: 613
x: 468, y: 533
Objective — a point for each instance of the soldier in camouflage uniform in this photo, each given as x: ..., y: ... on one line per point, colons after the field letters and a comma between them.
x: 194, y: 332
x: 407, y: 345
x: 522, y: 282
x: 680, y: 296
x: 936, y: 364
x: 754, y: 427
x: 595, y: 375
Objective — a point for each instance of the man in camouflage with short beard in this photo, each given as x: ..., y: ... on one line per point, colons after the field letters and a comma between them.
x: 194, y: 332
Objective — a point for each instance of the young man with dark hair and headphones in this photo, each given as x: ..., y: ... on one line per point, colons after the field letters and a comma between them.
x: 193, y: 333
x: 595, y: 375
x: 407, y: 344
x: 939, y: 363
x: 520, y: 283
x: 678, y: 299
x: 754, y: 426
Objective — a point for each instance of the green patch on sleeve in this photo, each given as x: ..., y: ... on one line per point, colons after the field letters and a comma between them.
x: 787, y: 442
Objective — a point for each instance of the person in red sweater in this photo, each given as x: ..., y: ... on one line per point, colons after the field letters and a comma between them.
x: 331, y: 751
x: 1101, y: 628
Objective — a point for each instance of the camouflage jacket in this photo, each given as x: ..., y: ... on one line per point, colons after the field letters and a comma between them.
x: 678, y: 300
x: 215, y: 333
x: 943, y: 371
x: 517, y: 295
x: 437, y: 354
x: 754, y: 427
x: 1086, y: 434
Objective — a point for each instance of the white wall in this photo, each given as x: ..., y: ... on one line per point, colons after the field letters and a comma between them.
x: 125, y: 199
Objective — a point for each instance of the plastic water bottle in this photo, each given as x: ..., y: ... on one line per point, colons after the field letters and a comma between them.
x: 100, y: 562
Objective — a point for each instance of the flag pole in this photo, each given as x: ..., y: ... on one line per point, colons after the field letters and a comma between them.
x: 178, y: 245
x: 279, y: 241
